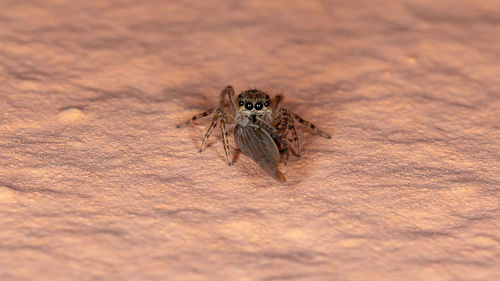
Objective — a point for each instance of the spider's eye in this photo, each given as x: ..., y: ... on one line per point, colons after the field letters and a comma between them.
x: 249, y: 105
x: 266, y: 104
x: 241, y: 103
x: 258, y: 106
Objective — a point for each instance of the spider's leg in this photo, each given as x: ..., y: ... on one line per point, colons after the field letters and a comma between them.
x: 311, y: 125
x: 295, y: 139
x: 284, y: 120
x: 277, y: 122
x: 286, y: 125
x: 225, y: 140
x: 196, y: 117
x: 275, y: 102
x: 211, y: 128
x: 283, y: 148
x: 229, y: 92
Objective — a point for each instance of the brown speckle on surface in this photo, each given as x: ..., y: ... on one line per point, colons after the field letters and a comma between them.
x: 97, y: 183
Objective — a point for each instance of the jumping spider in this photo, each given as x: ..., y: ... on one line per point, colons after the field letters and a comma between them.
x: 261, y: 129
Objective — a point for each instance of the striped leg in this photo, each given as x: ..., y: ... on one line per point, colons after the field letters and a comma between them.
x: 284, y: 150
x: 229, y: 92
x: 295, y: 139
x: 311, y: 125
x: 275, y: 102
x: 211, y: 128
x: 287, y: 124
x: 280, y: 119
x: 196, y: 117
x: 225, y: 140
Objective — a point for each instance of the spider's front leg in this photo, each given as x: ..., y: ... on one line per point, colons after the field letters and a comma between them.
x: 229, y: 92
x: 275, y: 102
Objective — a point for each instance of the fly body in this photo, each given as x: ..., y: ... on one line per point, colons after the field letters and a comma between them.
x: 256, y: 143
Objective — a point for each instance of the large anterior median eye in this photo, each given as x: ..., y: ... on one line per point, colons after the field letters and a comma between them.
x: 249, y: 105
x: 258, y: 106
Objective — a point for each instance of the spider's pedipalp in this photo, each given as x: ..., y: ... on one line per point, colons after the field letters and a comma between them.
x: 266, y: 126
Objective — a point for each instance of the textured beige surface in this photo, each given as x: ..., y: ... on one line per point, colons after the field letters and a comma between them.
x: 96, y: 183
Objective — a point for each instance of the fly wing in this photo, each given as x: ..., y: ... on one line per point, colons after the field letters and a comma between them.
x: 257, y: 144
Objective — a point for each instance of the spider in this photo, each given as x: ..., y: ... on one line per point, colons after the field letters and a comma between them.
x: 260, y: 129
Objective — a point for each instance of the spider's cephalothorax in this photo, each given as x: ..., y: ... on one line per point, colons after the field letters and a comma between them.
x: 260, y: 129
x: 253, y: 104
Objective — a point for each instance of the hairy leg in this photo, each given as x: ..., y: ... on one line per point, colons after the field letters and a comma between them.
x: 311, y: 125
x: 295, y: 139
x: 286, y: 124
x: 283, y: 148
x: 229, y: 92
x: 211, y: 128
x: 196, y: 117
x: 225, y: 140
x: 275, y: 102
